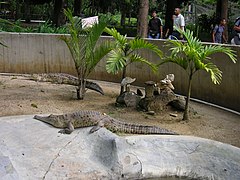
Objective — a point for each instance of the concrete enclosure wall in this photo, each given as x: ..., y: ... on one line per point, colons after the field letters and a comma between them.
x: 44, y: 53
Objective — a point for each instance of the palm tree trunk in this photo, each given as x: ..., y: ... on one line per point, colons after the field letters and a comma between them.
x: 186, y: 111
x: 81, y: 85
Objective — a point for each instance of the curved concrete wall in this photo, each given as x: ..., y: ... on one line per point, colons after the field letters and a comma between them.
x: 38, y: 53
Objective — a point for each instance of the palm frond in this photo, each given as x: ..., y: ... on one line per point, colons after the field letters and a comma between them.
x: 99, y: 53
x: 115, y: 62
x: 76, y: 48
x: 94, y: 33
x: 139, y: 43
x: 91, y: 42
x: 122, y: 40
x: 211, y: 49
x: 2, y: 44
x: 138, y: 58
x: 182, y: 62
x: 215, y: 73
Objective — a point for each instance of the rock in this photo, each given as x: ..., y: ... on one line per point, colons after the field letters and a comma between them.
x: 173, y: 115
x: 151, y: 112
x: 126, y: 83
x: 139, y: 92
x: 30, y: 149
x: 157, y: 103
x: 129, y: 99
x: 127, y: 80
x: 150, y: 87
x: 178, y: 103
x: 7, y: 171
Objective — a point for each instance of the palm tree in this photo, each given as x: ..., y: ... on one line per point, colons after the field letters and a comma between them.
x: 126, y: 52
x: 193, y: 56
x: 83, y: 47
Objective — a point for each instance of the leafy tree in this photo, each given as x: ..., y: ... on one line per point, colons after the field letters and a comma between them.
x: 126, y: 52
x: 83, y: 47
x: 193, y: 56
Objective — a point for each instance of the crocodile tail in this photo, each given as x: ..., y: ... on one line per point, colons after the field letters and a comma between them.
x: 72, y: 80
x: 119, y: 126
x: 94, y: 86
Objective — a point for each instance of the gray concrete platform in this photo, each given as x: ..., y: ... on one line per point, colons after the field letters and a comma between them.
x: 30, y: 149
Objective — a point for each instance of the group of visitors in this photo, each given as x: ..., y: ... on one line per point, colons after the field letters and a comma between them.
x: 155, y: 26
x: 155, y: 29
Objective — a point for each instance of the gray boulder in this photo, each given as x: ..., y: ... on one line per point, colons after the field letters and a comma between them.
x: 30, y: 149
x: 128, y: 99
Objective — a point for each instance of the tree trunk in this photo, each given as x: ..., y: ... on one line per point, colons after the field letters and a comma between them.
x: 17, y: 10
x: 58, y: 16
x: 123, y: 18
x: 186, y: 111
x: 142, y: 28
x: 218, y: 9
x: 77, y: 7
x: 222, y: 9
x: 27, y: 11
x: 123, y: 13
x: 81, y: 85
x: 222, y: 12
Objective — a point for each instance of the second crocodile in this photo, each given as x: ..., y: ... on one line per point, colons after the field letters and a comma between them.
x: 57, y: 78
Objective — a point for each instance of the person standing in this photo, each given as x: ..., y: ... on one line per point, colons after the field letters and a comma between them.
x: 236, y: 28
x: 155, y: 27
x: 218, y: 35
x: 178, y: 23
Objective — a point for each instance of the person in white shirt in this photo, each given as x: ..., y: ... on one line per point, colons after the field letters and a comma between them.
x: 178, y: 22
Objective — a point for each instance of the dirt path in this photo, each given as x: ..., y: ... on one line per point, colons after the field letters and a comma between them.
x: 20, y: 97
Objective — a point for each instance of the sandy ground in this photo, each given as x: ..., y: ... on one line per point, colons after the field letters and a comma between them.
x: 19, y: 96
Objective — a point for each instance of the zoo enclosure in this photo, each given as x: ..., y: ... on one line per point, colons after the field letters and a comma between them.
x: 45, y: 53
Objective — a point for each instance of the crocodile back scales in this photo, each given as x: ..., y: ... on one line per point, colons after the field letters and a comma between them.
x: 115, y: 125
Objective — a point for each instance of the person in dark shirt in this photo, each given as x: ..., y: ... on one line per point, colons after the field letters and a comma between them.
x: 155, y: 27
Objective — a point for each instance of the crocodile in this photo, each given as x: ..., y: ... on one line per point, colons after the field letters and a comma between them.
x: 80, y: 119
x: 57, y: 78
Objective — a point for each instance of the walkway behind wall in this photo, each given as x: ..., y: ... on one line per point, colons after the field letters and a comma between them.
x: 44, y: 53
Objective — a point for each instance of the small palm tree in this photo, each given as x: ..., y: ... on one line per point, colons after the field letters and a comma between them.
x: 83, y: 47
x: 193, y: 56
x: 126, y: 52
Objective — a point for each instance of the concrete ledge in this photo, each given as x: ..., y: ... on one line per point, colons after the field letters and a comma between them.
x: 30, y: 149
